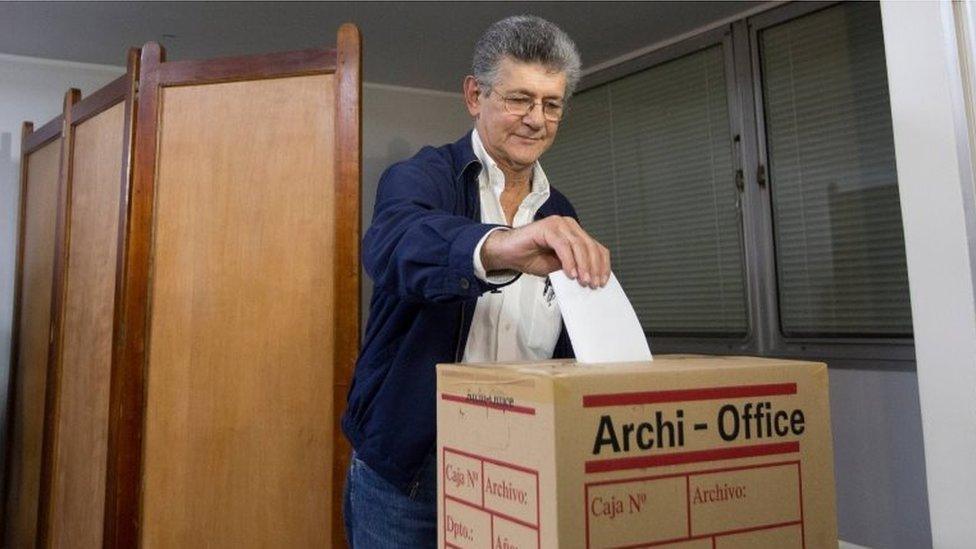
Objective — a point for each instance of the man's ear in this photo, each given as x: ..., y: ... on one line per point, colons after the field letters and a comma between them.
x: 472, y: 95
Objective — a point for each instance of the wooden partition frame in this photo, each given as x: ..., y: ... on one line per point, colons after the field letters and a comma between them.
x: 127, y: 420
x: 348, y: 219
x: 120, y: 91
x: 31, y: 142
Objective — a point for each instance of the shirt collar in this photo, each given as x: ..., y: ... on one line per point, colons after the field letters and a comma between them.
x: 495, y: 179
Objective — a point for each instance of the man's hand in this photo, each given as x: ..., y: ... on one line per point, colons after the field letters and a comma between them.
x: 548, y: 245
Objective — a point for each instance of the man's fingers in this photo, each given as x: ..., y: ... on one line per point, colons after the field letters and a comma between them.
x: 602, y: 264
x: 596, y: 259
x: 581, y: 257
x: 565, y: 254
x: 581, y: 254
x: 589, y: 253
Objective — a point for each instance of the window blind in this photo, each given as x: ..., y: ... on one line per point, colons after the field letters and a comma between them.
x: 840, y: 254
x: 647, y: 162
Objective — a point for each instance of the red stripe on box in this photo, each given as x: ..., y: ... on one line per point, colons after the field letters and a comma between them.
x: 641, y: 462
x: 684, y: 395
x: 493, y: 405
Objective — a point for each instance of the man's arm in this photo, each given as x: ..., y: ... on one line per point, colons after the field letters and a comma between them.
x: 548, y: 245
x: 415, y: 247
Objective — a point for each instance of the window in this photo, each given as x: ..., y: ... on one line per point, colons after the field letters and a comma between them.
x: 647, y: 160
x: 777, y: 128
x: 840, y: 254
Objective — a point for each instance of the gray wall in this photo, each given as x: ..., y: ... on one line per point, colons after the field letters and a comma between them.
x: 879, y: 463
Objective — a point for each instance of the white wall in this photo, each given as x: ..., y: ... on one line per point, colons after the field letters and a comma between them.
x: 33, y: 90
x: 935, y: 180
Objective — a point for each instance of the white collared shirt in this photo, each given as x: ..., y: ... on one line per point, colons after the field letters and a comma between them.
x: 522, y: 320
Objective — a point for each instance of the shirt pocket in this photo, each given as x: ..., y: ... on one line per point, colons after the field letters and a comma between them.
x: 545, y: 324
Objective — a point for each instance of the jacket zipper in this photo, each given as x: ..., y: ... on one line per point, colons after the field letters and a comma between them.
x: 457, y: 349
x: 472, y: 214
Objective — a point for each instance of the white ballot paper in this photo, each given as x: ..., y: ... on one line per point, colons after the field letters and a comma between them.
x: 601, y: 323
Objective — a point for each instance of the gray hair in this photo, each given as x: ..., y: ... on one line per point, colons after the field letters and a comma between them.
x: 528, y: 39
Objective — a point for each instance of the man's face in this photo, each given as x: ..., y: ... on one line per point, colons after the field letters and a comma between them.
x: 515, y: 141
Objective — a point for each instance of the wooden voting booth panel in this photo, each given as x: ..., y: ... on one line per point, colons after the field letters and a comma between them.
x: 40, y: 166
x: 76, y: 437
x: 241, y: 264
x: 237, y: 404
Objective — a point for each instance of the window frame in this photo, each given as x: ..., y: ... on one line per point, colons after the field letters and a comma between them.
x: 898, y: 350
x: 739, y: 42
x: 719, y: 36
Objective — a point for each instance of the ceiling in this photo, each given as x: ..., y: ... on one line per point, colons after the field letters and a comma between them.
x: 416, y: 44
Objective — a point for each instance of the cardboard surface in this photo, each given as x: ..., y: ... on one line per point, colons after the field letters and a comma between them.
x: 682, y: 452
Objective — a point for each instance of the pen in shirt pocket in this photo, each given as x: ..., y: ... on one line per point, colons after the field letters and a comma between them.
x: 548, y: 292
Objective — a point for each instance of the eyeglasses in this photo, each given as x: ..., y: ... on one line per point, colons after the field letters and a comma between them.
x: 521, y: 105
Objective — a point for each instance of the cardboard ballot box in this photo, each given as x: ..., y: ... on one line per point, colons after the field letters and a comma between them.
x: 682, y: 452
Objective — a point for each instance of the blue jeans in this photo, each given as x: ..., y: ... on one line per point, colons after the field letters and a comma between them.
x: 378, y: 515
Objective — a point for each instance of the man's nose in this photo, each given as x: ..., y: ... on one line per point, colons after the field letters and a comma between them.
x: 535, y: 118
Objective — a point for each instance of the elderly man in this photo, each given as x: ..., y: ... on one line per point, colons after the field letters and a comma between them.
x: 461, y: 241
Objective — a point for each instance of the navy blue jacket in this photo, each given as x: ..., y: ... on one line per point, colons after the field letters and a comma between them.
x: 419, y: 252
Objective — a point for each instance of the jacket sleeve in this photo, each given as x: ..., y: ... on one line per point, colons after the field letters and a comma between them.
x: 415, y: 247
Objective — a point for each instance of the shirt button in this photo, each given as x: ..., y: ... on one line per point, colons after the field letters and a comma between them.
x: 464, y: 283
